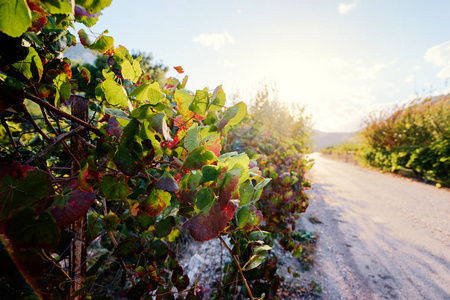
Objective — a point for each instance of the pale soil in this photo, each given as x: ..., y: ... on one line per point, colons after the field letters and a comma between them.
x: 381, y: 236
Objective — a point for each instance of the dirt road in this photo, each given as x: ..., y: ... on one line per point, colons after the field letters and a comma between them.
x: 381, y: 236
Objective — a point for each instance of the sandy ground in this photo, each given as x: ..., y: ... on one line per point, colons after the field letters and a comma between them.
x: 381, y: 236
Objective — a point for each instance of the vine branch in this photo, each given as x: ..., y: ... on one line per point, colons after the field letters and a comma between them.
x: 54, y: 142
x: 113, y: 239
x: 236, y: 262
x: 57, y: 111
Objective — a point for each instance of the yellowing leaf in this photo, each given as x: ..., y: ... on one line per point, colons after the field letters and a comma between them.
x: 131, y: 71
x: 148, y: 92
x: 115, y: 94
x: 15, y: 17
x: 184, y: 99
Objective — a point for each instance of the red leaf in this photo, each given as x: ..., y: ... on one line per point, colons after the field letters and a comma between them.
x: 179, y: 69
x: 179, y: 121
x: 84, y: 38
x: 77, y: 205
x: 204, y: 228
x: 178, y: 137
x: 39, y: 18
x: 229, y: 185
x: 214, y: 145
x: 113, y: 128
x: 156, y: 202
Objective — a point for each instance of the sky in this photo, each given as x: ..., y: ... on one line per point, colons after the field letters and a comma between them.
x: 340, y: 59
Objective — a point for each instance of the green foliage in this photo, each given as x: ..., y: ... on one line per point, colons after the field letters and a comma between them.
x: 414, y: 137
x: 273, y: 138
x: 151, y: 164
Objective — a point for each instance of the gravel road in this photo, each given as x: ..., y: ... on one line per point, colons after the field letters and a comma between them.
x: 380, y: 236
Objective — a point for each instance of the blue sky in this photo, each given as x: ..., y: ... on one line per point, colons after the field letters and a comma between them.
x: 341, y: 59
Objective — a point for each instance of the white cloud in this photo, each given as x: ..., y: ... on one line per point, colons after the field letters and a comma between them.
x: 417, y: 67
x: 410, y: 78
x: 226, y: 63
x: 214, y: 40
x: 445, y: 72
x: 346, y: 7
x: 373, y: 71
x: 239, y: 10
x: 439, y: 56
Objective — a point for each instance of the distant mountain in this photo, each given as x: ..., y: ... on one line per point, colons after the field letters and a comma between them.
x: 324, y: 139
x: 80, y: 54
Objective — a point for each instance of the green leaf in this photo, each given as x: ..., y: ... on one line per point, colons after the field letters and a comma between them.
x: 128, y: 160
x: 160, y: 250
x: 11, y: 93
x: 254, y: 262
x: 94, y: 6
x: 93, y: 227
x: 198, y: 158
x: 148, y: 92
x: 128, y: 156
x: 63, y: 90
x: 204, y: 199
x: 164, y: 227
x: 86, y: 20
x: 258, y: 235
x: 31, y: 67
x: 240, y: 161
x: 21, y: 190
x: 131, y: 71
x: 246, y: 191
x: 15, y: 17
x: 25, y: 230
x: 117, y: 113
x: 211, y: 118
x: 192, y: 138
x: 243, y: 216
x: 142, y: 112
x: 104, y: 45
x: 110, y: 222
x: 259, y: 189
x: 115, y: 94
x: 210, y: 173
x: 131, y: 245
x: 114, y: 187
x: 155, y: 203
x: 218, y: 99
x: 58, y: 6
x: 159, y: 124
x: 200, y: 103
x: 233, y: 116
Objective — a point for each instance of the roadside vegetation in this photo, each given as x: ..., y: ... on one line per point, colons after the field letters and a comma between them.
x: 104, y: 167
x: 413, y: 139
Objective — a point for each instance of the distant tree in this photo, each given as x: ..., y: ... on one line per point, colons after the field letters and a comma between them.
x: 288, y: 119
x: 157, y: 71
